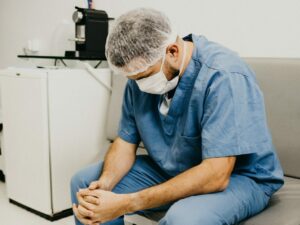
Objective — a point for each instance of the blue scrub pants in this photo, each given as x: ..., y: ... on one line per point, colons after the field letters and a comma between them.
x: 241, y: 199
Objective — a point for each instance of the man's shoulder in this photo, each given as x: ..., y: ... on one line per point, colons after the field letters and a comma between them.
x: 217, y: 57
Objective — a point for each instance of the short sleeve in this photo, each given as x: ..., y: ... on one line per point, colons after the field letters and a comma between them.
x: 233, y: 121
x: 127, y: 129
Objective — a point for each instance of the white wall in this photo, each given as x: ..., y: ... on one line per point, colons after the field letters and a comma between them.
x: 268, y: 28
x: 263, y: 28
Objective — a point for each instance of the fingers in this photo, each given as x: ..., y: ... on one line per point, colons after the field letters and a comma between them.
x: 79, y: 216
x: 95, y: 193
x: 88, y: 204
x: 94, y: 185
x: 83, y: 192
x: 91, y: 199
x: 84, y: 212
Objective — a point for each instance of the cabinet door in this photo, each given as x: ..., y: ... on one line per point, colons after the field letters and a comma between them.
x: 77, y: 112
x: 25, y: 136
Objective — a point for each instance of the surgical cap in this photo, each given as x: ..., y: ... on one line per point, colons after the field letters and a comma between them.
x: 138, y: 39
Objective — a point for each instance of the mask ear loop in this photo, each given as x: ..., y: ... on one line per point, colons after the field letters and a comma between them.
x: 183, y: 58
x: 162, y: 62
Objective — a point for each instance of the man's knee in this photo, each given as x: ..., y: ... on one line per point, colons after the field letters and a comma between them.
x: 180, y: 214
x: 82, y: 179
x: 77, y: 181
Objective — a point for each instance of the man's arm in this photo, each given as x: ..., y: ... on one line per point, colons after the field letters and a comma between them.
x: 117, y: 162
x: 212, y: 175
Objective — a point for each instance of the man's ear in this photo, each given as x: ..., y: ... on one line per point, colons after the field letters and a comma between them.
x: 172, y: 50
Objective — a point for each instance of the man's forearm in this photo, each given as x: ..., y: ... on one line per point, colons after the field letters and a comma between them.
x: 201, y: 179
x: 117, y: 162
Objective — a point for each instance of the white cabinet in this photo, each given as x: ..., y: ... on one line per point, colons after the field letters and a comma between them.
x: 53, y: 125
x: 2, y: 167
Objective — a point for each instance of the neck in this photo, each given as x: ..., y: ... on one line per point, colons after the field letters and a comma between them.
x: 189, y: 53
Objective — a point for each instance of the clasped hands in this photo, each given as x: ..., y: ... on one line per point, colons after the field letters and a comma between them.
x: 97, y: 205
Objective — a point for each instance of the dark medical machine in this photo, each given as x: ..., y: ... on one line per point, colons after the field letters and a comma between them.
x: 91, y: 29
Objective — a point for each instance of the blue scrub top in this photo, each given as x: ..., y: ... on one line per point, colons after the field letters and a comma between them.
x: 217, y: 110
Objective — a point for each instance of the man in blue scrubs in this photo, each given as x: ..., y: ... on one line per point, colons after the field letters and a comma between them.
x: 199, y: 112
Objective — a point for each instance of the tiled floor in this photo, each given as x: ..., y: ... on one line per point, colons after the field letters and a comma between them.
x: 11, y: 214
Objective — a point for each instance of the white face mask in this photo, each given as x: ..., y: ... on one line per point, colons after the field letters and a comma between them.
x: 158, y: 83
